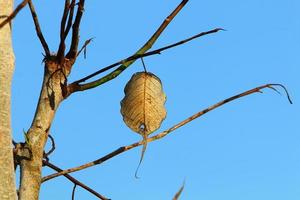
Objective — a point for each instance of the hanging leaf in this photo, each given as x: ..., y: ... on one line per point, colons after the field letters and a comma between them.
x: 143, y: 105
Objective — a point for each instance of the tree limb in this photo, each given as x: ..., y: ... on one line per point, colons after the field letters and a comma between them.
x: 75, y: 86
x: 14, y: 13
x: 62, y: 46
x: 70, y: 19
x: 38, y: 28
x: 166, y: 132
x: 75, y: 181
x: 142, y: 50
x: 75, y: 33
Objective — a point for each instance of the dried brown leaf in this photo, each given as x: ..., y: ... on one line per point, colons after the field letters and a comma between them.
x: 143, y: 107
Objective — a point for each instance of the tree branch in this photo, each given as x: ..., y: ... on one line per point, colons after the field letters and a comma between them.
x: 14, y: 13
x: 75, y: 33
x: 70, y: 19
x: 75, y: 86
x: 46, y: 155
x: 62, y: 46
x: 38, y: 28
x: 83, y: 48
x: 73, y: 191
x: 75, y: 181
x: 125, y: 64
x: 166, y: 132
x: 178, y: 193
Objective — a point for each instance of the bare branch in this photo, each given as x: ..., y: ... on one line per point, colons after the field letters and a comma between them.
x: 178, y: 193
x: 52, y: 147
x: 81, y: 87
x: 73, y: 191
x: 62, y: 46
x: 75, y: 34
x: 164, y: 133
x: 70, y: 19
x: 142, y: 50
x: 86, y: 43
x: 38, y: 28
x: 14, y: 13
x: 75, y: 181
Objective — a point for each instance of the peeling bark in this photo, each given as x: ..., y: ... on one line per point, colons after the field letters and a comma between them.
x: 7, y: 62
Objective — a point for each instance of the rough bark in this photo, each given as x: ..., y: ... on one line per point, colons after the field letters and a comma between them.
x: 36, y: 137
x: 7, y: 59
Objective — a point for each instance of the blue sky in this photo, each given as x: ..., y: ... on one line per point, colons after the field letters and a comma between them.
x: 248, y: 149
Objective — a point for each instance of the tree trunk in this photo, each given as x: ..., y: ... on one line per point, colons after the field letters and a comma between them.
x: 7, y: 59
x: 50, y: 98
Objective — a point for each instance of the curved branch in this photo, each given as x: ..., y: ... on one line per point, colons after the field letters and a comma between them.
x: 125, y: 64
x: 164, y: 133
x: 73, y: 191
x: 14, y: 13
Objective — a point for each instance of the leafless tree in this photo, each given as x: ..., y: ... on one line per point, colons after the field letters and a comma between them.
x: 30, y: 155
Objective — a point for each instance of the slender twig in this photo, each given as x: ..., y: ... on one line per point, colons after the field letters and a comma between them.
x: 136, y: 56
x: 14, y: 13
x: 86, y: 43
x: 125, y: 64
x: 73, y: 191
x: 178, y: 193
x: 75, y: 33
x: 164, y: 133
x: 52, y: 146
x: 38, y: 28
x: 74, y: 180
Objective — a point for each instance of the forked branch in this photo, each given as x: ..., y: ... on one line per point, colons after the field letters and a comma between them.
x: 14, y: 13
x: 125, y: 64
x: 166, y: 132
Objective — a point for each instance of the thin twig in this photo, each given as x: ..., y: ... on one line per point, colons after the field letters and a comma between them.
x: 126, y: 64
x: 86, y: 43
x: 136, y: 56
x: 164, y: 133
x: 75, y: 33
x: 38, y: 28
x: 75, y: 181
x: 73, y: 191
x: 178, y: 193
x: 52, y: 146
x: 14, y: 13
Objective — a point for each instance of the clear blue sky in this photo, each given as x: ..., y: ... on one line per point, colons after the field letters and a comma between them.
x: 248, y: 149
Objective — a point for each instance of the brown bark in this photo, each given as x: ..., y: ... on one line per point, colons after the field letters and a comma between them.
x: 50, y: 98
x: 7, y: 59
